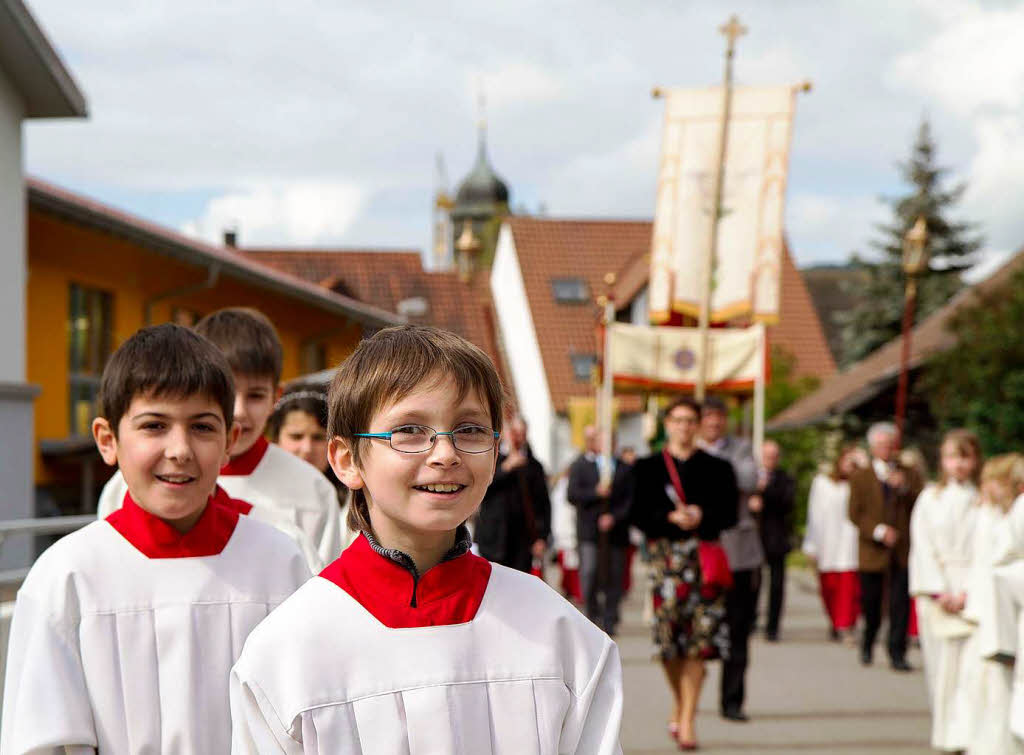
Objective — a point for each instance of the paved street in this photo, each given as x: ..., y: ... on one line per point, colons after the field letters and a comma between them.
x: 805, y: 694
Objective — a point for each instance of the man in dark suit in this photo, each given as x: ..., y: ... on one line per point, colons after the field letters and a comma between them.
x: 602, y: 531
x: 774, y: 510
x: 514, y: 520
x: 881, y: 499
x: 742, y: 544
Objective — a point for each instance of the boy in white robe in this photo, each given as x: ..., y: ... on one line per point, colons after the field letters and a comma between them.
x: 941, y: 545
x: 409, y: 643
x: 280, y: 486
x: 124, y: 633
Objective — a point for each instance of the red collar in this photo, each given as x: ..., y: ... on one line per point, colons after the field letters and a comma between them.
x: 244, y: 464
x: 450, y: 593
x: 155, y: 538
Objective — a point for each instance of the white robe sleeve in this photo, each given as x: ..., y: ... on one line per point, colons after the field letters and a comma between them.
x: 594, y: 718
x: 46, y: 705
x: 812, y: 537
x: 112, y: 496
x: 255, y: 726
x: 927, y: 576
x: 328, y: 539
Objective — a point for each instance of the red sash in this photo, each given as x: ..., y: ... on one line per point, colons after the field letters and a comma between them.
x: 714, y: 563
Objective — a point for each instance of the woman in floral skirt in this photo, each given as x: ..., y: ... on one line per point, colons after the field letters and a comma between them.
x: 682, y: 499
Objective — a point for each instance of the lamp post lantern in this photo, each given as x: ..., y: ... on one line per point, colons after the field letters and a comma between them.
x: 915, y: 262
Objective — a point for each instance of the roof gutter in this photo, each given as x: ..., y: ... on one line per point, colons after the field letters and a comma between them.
x: 212, y: 274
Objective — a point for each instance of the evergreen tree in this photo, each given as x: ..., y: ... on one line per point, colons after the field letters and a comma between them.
x: 878, y: 318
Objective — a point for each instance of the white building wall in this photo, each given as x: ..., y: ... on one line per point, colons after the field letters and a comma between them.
x: 12, y: 235
x: 519, y: 335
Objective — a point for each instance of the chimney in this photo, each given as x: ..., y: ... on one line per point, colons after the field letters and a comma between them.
x: 231, y: 237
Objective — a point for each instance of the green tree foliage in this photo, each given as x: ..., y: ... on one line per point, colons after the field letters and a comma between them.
x: 803, y: 449
x: 979, y: 383
x: 952, y: 245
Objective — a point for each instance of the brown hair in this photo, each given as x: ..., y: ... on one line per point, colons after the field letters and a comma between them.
x: 248, y: 340
x: 966, y: 444
x: 837, y: 466
x: 686, y: 401
x: 165, y: 360
x: 1006, y: 468
x: 390, y: 365
x: 311, y: 399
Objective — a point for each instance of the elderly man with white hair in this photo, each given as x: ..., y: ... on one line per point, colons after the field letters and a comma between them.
x: 881, y: 499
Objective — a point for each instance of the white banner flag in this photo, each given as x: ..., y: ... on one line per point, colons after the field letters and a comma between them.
x: 667, y: 357
x: 749, y: 254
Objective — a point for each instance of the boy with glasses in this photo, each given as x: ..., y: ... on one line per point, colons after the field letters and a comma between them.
x: 409, y: 642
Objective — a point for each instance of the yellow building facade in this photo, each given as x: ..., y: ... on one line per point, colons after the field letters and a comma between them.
x: 96, y: 275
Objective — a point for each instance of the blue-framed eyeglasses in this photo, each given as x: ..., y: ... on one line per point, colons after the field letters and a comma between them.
x: 415, y: 439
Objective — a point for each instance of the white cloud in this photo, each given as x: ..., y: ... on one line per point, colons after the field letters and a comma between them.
x: 304, y: 213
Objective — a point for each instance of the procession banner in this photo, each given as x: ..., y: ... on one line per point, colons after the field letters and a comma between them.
x: 667, y: 358
x: 750, y: 241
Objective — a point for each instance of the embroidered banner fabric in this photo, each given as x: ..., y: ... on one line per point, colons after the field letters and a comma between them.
x: 749, y: 249
x: 668, y: 357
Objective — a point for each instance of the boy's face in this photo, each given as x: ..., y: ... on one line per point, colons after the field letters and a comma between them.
x: 394, y: 482
x: 254, y: 403
x: 170, y: 451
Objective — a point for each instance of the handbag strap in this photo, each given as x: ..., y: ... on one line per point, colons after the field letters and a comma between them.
x: 673, y: 475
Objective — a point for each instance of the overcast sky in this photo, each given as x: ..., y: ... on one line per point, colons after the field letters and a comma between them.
x: 317, y: 123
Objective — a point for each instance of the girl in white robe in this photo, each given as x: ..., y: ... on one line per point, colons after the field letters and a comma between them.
x: 941, y: 545
x: 830, y: 542
x: 988, y: 681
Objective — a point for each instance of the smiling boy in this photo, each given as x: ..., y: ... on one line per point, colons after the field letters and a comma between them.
x: 408, y: 642
x: 284, y: 490
x: 124, y: 632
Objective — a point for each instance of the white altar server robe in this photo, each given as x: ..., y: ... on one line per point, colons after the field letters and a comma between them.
x: 988, y: 682
x: 282, y: 489
x: 111, y: 650
x: 941, y: 549
x: 831, y: 538
x: 528, y: 675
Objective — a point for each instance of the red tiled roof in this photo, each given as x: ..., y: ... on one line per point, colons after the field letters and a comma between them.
x: 53, y: 199
x: 386, y: 277
x: 865, y: 379
x: 590, y: 249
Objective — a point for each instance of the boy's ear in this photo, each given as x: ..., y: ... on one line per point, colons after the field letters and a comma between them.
x: 232, y: 437
x: 106, y: 441
x: 340, y: 456
x: 278, y: 392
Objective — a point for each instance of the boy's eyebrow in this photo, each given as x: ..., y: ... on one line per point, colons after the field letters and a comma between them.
x: 161, y: 415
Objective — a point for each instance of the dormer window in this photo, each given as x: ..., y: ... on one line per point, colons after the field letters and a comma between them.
x: 583, y: 365
x: 570, y: 290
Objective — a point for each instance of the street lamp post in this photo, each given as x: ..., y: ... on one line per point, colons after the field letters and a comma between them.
x: 915, y: 262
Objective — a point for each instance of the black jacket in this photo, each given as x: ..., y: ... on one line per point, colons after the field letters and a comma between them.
x: 515, y: 511
x: 583, y: 479
x: 776, y: 518
x: 709, y: 482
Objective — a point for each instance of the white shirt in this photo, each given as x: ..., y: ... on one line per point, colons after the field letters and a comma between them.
x: 831, y: 538
x: 116, y: 651
x: 528, y: 675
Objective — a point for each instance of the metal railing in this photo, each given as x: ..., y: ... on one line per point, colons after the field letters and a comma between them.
x: 49, y: 525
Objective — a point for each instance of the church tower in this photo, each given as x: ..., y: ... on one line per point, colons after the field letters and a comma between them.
x: 481, y: 203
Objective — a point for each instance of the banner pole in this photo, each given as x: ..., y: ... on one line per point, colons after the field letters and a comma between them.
x: 607, y: 390
x: 732, y: 30
x: 759, y: 397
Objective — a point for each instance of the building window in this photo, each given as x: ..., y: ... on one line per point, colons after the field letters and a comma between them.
x: 570, y: 290
x: 89, y: 339
x: 583, y: 365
